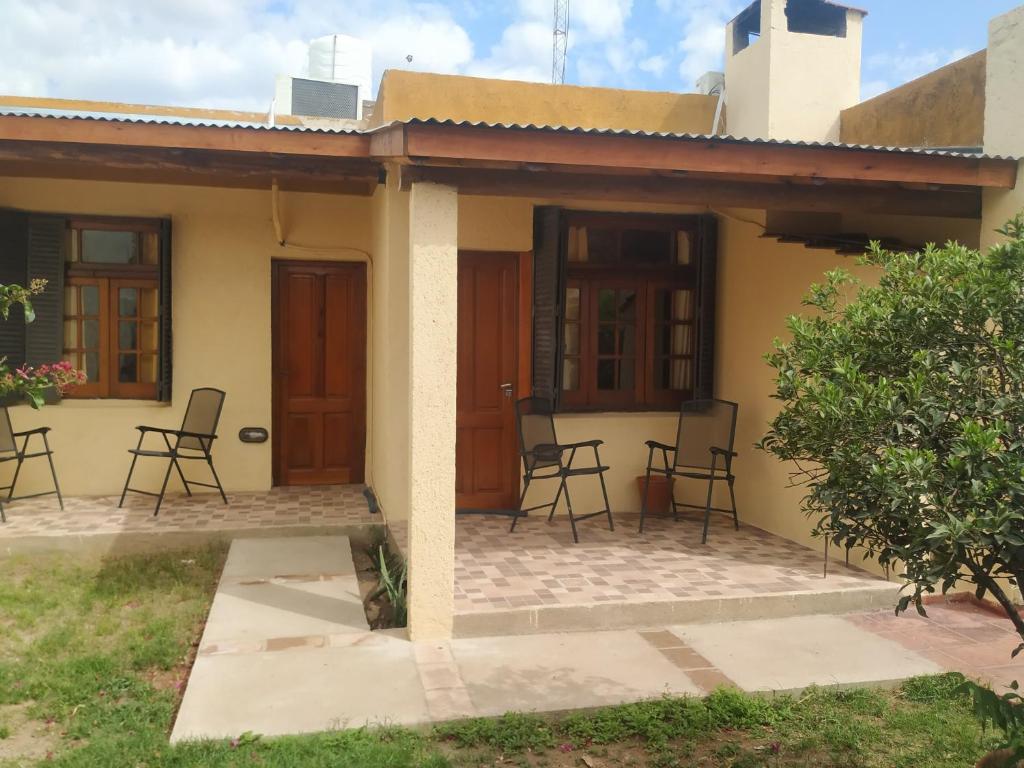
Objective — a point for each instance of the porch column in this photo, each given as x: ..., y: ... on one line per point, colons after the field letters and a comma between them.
x: 1004, y: 116
x: 433, y: 295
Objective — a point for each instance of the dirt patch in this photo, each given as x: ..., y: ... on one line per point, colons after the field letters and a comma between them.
x: 25, y: 739
x: 379, y: 613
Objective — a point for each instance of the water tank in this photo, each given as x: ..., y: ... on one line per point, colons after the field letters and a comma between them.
x: 342, y: 59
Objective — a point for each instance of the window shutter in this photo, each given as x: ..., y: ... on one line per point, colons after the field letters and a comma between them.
x: 44, y: 338
x: 166, y: 353
x: 13, y: 270
x: 547, y: 302
x: 708, y: 236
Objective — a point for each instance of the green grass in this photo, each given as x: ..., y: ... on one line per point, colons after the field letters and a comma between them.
x: 93, y: 654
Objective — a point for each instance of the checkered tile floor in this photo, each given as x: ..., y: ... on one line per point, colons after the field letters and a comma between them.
x: 321, y: 506
x: 538, y: 565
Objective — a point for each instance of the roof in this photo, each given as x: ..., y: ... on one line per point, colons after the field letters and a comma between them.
x: 65, y: 114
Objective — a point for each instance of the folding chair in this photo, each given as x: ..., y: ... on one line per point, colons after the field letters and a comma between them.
x: 9, y: 445
x: 541, y: 451
x: 193, y: 442
x: 703, y: 451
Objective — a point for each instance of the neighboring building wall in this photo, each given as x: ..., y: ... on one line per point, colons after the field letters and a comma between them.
x: 945, y: 108
x: 223, y: 243
x: 1004, y: 115
x: 791, y: 85
x: 404, y: 95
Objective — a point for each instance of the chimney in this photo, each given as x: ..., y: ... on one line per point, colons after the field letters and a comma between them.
x: 791, y: 66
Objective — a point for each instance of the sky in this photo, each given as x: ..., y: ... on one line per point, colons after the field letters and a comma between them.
x: 226, y: 53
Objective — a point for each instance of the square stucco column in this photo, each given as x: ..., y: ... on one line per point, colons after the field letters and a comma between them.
x: 1004, y: 116
x: 433, y: 296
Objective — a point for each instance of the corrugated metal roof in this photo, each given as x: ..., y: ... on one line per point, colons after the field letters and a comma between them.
x: 210, y: 123
x: 722, y: 139
x: 119, y: 117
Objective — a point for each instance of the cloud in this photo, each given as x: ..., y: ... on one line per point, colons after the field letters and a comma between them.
x: 902, y: 65
x: 653, y: 65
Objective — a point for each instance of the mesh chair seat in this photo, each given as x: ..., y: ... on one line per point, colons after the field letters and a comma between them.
x: 544, y: 458
x: 703, y: 450
x: 193, y: 441
x: 11, y: 451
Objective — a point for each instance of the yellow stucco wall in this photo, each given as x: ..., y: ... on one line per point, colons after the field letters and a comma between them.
x: 404, y: 95
x: 945, y: 108
x: 223, y: 243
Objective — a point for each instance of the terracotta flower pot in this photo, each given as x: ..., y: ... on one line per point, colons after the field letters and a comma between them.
x: 659, y: 494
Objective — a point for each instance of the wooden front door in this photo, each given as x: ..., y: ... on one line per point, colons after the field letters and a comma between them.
x: 319, y: 373
x: 486, y: 454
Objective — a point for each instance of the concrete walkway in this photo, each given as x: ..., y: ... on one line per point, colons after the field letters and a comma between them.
x: 287, y: 650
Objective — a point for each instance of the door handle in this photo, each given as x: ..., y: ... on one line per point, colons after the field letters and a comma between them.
x: 506, y: 389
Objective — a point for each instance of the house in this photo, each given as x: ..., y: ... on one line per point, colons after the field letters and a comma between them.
x: 377, y: 293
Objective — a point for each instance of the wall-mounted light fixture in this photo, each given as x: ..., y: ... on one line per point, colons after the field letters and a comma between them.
x: 253, y: 435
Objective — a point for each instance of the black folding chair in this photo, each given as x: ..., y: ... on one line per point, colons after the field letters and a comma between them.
x: 541, y: 451
x: 703, y: 451
x: 9, y: 451
x: 193, y: 442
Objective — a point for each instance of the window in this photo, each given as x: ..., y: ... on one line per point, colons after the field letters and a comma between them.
x: 112, y: 318
x: 629, y: 322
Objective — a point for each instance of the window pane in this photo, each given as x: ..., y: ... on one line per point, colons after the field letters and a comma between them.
x: 673, y: 339
x: 71, y: 334
x: 71, y: 305
x: 92, y: 365
x: 148, y: 369
x: 674, y: 374
x: 150, y: 302
x: 577, y: 244
x: 602, y: 245
x: 128, y: 335
x: 684, y: 247
x: 91, y: 333
x: 128, y: 301
x: 570, y: 374
x: 90, y: 300
x: 127, y: 368
x: 150, y: 248
x: 606, y: 374
x: 647, y: 246
x: 107, y: 247
x: 606, y: 340
x: 606, y: 305
x: 150, y: 339
x: 572, y: 339
x: 616, y: 374
x: 572, y: 304
x: 627, y: 305
x: 674, y: 305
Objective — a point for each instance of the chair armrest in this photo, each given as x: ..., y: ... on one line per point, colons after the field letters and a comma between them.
x: 176, y: 432
x: 662, y: 446
x: 584, y: 444
x: 145, y: 429
x: 544, y: 448
x: 36, y: 431
x: 723, y: 452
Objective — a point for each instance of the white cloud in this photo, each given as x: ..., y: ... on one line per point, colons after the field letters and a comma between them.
x: 653, y: 65
x: 902, y: 65
x: 871, y: 88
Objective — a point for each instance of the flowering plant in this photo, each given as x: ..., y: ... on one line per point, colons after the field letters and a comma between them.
x: 28, y: 382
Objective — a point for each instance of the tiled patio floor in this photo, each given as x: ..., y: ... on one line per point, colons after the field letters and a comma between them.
x: 323, y: 506
x: 539, y: 566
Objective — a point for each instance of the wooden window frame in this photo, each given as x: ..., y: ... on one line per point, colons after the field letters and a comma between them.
x: 110, y: 278
x: 645, y: 280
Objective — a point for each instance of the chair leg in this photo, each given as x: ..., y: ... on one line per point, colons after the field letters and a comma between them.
x: 707, y: 512
x: 209, y: 460
x: 558, y: 495
x: 643, y: 501
x: 732, y: 497
x: 522, y: 500
x: 177, y: 466
x: 17, y: 471
x: 163, y: 488
x: 53, y: 471
x: 572, y: 517
x: 128, y: 480
x: 604, y: 493
x: 3, y: 517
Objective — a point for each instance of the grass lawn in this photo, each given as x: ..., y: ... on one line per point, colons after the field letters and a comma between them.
x: 93, y: 657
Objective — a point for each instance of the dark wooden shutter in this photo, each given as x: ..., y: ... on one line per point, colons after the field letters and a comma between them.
x: 707, y: 276
x: 166, y: 351
x: 13, y: 270
x: 44, y: 338
x: 547, y: 302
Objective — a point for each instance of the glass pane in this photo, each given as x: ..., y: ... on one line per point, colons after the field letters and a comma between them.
x: 674, y: 373
x: 615, y: 374
x: 572, y: 304
x: 627, y: 305
x: 128, y: 335
x: 148, y: 369
x: 674, y: 305
x: 150, y: 340
x: 90, y: 300
x: 572, y: 339
x: 150, y: 302
x: 578, y: 244
x: 92, y: 365
x: 626, y: 371
x: 128, y: 301
x: 71, y: 340
x: 606, y: 374
x: 105, y: 247
x: 606, y: 340
x: 602, y: 245
x: 72, y: 245
x: 673, y: 339
x: 71, y: 304
x: 150, y: 247
x: 570, y: 374
x: 647, y: 246
x: 627, y: 340
x: 91, y: 333
x: 684, y: 248
x: 74, y: 358
x: 127, y: 368
x: 606, y: 304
